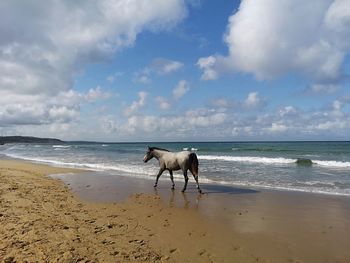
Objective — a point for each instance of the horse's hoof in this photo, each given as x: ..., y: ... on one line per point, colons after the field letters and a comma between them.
x: 155, y: 186
x: 200, y: 191
x: 173, y: 188
x: 183, y: 190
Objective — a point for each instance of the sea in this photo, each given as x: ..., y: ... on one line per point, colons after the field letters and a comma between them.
x: 315, y: 167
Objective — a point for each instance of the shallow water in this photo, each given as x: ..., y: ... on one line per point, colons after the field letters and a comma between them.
x: 322, y: 167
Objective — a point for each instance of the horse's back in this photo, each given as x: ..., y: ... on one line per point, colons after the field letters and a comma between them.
x: 176, y: 160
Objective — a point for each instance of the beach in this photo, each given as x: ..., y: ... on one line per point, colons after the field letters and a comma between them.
x: 73, y: 216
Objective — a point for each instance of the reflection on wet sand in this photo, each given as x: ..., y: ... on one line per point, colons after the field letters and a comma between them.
x: 180, y: 199
x: 272, y: 223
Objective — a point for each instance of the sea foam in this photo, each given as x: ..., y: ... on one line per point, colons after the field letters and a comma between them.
x: 279, y: 160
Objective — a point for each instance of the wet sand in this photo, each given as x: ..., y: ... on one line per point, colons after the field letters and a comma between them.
x: 102, y: 218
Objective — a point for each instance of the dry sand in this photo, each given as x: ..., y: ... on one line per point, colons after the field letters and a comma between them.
x: 41, y: 220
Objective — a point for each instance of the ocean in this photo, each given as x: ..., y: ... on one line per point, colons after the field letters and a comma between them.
x: 318, y: 167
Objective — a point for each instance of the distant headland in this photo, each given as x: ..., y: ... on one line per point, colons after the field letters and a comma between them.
x: 27, y: 139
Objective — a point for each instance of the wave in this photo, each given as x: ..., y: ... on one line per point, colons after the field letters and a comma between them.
x: 278, y: 160
x: 91, y: 166
x: 61, y: 146
x: 192, y: 149
x: 305, y: 187
x: 248, y: 159
x: 148, y: 172
x: 338, y: 164
x: 304, y: 162
x: 263, y: 149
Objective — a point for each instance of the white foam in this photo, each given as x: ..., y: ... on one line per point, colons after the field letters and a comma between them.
x: 147, y: 172
x: 61, y: 146
x: 90, y: 166
x: 263, y: 185
x: 249, y: 159
x: 332, y: 163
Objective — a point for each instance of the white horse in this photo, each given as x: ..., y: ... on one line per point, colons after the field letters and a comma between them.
x: 173, y: 161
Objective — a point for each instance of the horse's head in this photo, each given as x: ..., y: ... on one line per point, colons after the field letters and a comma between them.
x: 148, y: 156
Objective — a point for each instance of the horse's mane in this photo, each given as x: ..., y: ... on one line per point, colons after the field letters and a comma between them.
x: 160, y: 149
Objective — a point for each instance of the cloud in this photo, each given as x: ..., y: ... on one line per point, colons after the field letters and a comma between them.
x: 322, y: 89
x: 142, y: 77
x: 43, y: 48
x: 96, y: 94
x: 269, y: 39
x: 287, y: 111
x: 181, y: 89
x: 191, y: 122
x: 277, y: 128
x: 136, y: 105
x: 222, y: 103
x: 163, y: 103
x: 39, y: 109
x: 159, y: 66
x: 178, y: 92
x: 207, y: 65
x: 112, y: 78
x: 164, y: 66
x: 253, y: 101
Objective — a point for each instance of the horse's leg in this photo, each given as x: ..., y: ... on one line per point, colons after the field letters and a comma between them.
x: 196, y: 178
x: 172, y: 179
x: 161, y: 170
x: 186, y: 180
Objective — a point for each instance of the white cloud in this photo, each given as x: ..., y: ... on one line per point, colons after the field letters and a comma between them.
x: 43, y: 48
x: 277, y: 127
x: 62, y: 114
x: 253, y: 101
x: 322, y: 89
x: 163, y: 103
x: 160, y: 66
x: 112, y: 78
x: 39, y: 109
x: 178, y: 92
x: 207, y: 65
x: 271, y: 38
x: 142, y: 77
x: 164, y: 66
x: 222, y: 103
x: 181, y: 89
x: 136, y: 105
x: 287, y: 111
x: 189, y: 123
x: 96, y: 94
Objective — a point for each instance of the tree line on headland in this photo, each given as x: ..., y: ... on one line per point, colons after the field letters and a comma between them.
x: 27, y: 139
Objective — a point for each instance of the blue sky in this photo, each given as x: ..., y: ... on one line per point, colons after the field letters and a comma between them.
x: 177, y: 70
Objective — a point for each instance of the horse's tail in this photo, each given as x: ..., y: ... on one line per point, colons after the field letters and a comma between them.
x: 193, y: 163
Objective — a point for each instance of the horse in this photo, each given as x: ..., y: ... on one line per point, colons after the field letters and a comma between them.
x: 173, y: 161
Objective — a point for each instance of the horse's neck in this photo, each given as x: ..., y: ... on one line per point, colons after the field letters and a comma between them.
x: 158, y: 154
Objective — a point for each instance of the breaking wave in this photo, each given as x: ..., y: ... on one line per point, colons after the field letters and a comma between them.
x: 279, y: 160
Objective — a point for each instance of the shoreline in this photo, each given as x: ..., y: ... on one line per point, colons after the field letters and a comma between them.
x: 205, y: 182
x: 43, y: 219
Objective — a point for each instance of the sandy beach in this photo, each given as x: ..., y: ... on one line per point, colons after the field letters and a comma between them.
x: 76, y: 216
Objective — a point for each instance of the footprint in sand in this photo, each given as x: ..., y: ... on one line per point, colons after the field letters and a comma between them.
x: 166, y: 223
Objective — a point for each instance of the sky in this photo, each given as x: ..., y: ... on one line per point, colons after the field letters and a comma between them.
x: 175, y: 70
